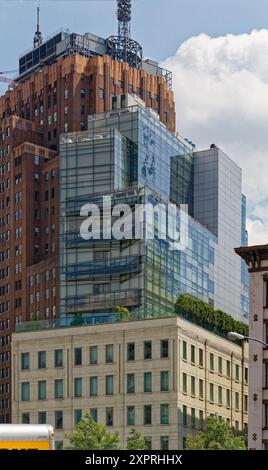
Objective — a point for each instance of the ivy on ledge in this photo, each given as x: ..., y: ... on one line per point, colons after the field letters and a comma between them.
x: 204, y: 315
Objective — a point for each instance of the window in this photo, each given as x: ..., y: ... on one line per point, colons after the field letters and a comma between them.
x: 164, y: 381
x: 192, y: 386
x: 109, y: 416
x: 184, y: 415
x: 93, y: 386
x: 109, y: 384
x: 25, y: 361
x: 147, y: 382
x: 78, y: 356
x: 58, y: 419
x: 237, y: 373
x: 164, y: 443
x: 131, y: 415
x: 246, y: 403
x: 228, y: 398
x: 130, y: 383
x: 41, y: 359
x: 193, y: 417
x: 78, y: 387
x: 164, y: 348
x: 228, y: 369
x: 211, y: 393
x: 25, y: 418
x: 211, y: 362
x: 164, y: 413
x: 58, y: 358
x: 58, y: 445
x: 201, y: 358
x: 184, y: 350
x: 58, y: 385
x: 148, y: 442
x: 201, y: 389
x: 109, y: 351
x: 220, y: 365
x: 265, y: 376
x: 236, y: 401
x: 131, y: 351
x: 101, y: 93
x: 42, y: 390
x: 220, y: 396
x: 37, y: 160
x: 94, y: 414
x: 246, y: 375
x: 201, y: 419
x: 192, y: 354
x: 184, y: 382
x: 147, y: 350
x: 147, y: 414
x: 77, y: 416
x: 42, y: 417
x: 266, y: 415
x: 93, y: 354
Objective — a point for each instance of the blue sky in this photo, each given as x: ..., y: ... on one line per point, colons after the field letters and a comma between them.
x: 220, y: 77
x: 159, y: 25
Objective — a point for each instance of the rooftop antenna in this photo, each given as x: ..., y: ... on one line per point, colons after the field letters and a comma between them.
x: 38, y: 36
x: 122, y: 47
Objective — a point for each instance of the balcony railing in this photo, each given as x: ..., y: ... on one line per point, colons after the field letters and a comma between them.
x: 128, y: 264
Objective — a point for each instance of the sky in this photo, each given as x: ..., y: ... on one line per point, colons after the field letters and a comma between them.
x: 218, y: 53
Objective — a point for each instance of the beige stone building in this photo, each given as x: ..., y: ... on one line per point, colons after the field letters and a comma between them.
x: 161, y: 376
x: 257, y: 260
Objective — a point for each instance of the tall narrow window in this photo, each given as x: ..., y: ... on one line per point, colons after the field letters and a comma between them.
x: 164, y: 348
x: 266, y: 415
x: 130, y: 383
x: 164, y: 381
x: 192, y: 354
x: 109, y: 351
x: 131, y: 351
x: 266, y: 375
x: 147, y: 350
x: 265, y: 292
x: 93, y: 386
x: 93, y: 354
x: 184, y: 382
x: 164, y: 413
x: 184, y: 350
x: 109, y: 384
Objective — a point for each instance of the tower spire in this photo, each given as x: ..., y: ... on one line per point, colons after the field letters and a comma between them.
x: 38, y: 36
x: 124, y: 18
x: 122, y: 47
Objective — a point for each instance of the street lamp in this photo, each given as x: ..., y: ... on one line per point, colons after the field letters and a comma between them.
x: 233, y: 336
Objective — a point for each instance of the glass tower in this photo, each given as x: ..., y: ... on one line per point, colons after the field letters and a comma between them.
x: 128, y: 156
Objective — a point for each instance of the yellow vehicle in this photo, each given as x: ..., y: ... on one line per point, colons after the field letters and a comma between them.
x: 26, y: 436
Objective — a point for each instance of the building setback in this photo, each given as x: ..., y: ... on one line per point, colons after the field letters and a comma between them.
x: 48, y: 98
x: 256, y: 258
x: 163, y: 376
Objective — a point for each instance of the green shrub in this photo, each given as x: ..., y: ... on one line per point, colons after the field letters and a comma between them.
x: 206, y: 316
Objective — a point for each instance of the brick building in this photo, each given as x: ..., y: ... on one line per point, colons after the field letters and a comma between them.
x: 52, y: 95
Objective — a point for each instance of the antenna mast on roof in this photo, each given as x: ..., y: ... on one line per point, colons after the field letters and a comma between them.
x: 122, y: 47
x: 38, y: 36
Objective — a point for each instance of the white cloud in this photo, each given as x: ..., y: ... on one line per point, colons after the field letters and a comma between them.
x: 221, y: 93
